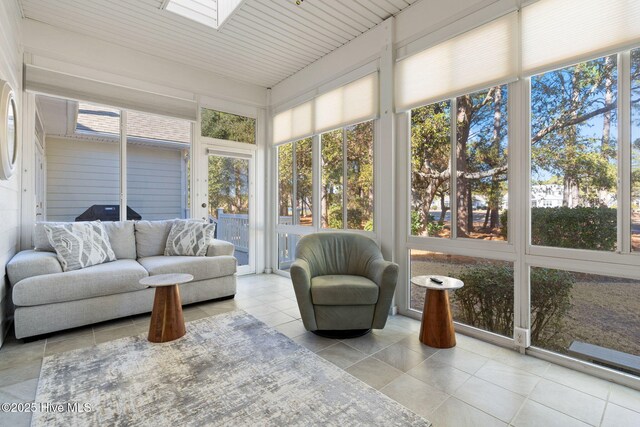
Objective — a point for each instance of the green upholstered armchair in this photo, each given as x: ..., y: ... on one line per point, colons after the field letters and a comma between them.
x: 343, y: 285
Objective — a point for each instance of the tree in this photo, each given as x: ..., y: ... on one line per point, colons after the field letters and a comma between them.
x: 220, y: 125
x: 430, y: 153
x: 566, y: 106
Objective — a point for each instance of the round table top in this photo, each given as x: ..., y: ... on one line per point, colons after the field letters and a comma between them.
x: 166, y: 280
x: 447, y: 282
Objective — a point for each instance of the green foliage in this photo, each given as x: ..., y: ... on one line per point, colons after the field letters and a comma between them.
x: 216, y: 124
x: 550, y: 302
x: 358, y: 180
x: 416, y: 224
x: 577, y: 228
x: 487, y: 301
x: 504, y: 222
x: 228, y: 185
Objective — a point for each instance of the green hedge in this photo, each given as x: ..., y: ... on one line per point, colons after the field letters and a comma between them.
x: 486, y: 301
x: 577, y: 228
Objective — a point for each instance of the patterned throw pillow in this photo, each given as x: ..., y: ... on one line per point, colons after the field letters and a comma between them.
x: 80, y: 244
x: 189, y: 238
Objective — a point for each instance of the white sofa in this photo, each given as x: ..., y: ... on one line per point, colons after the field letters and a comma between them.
x: 47, y: 299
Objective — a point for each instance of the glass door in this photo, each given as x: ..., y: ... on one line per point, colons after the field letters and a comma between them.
x: 230, y: 202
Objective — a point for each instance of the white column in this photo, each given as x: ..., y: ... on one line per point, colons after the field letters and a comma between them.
x: 385, y: 149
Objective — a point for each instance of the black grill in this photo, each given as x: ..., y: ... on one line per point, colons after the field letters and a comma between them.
x: 107, y: 213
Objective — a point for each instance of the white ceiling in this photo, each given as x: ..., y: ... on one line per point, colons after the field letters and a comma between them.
x: 263, y: 43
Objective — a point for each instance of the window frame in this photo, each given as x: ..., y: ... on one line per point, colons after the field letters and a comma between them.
x: 301, y: 230
x: 236, y: 110
x: 519, y: 250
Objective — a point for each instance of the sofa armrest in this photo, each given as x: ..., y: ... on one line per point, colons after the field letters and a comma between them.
x: 385, y: 275
x: 301, y: 278
x: 220, y: 247
x: 32, y: 263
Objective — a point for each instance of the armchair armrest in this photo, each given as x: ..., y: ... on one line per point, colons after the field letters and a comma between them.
x: 32, y: 263
x: 385, y: 275
x: 220, y: 247
x: 301, y: 278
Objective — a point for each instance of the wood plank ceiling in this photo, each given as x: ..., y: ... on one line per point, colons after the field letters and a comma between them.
x: 263, y: 43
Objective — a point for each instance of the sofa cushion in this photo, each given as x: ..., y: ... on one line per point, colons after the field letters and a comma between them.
x: 343, y: 290
x: 201, y: 268
x: 189, y: 238
x: 80, y: 244
x: 151, y: 237
x: 40, y: 239
x: 121, y: 235
x: 32, y: 263
x: 104, y: 279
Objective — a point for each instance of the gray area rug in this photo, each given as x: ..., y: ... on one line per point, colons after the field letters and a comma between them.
x: 230, y: 369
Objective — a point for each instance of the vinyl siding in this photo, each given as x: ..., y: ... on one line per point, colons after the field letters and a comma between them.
x: 85, y: 173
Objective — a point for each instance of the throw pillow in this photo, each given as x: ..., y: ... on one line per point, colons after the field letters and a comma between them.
x: 189, y: 238
x: 80, y: 244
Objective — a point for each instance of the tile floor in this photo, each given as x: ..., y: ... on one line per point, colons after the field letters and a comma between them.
x: 473, y: 384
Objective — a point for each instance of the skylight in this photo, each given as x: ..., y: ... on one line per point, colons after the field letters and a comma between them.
x: 212, y: 13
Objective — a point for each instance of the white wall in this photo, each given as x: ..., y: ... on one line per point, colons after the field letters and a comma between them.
x: 81, y: 55
x: 85, y: 173
x: 11, y: 71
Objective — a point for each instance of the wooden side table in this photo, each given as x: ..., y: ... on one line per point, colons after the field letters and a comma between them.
x: 437, y: 329
x: 167, y: 321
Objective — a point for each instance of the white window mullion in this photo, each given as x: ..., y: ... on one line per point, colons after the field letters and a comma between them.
x: 344, y: 178
x: 520, y: 197
x: 294, y: 184
x: 123, y: 165
x: 453, y: 181
x: 316, y: 182
x: 624, y: 152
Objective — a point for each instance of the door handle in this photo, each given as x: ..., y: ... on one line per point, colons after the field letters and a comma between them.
x: 204, y: 205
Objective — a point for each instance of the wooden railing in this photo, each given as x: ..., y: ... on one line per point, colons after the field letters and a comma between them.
x: 233, y: 228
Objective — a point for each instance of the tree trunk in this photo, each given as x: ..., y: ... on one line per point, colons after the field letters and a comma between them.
x: 465, y: 106
x: 443, y: 209
x: 571, y: 193
x: 486, y: 217
x: 608, y: 100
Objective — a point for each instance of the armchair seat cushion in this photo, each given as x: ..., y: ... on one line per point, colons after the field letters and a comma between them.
x: 342, y: 289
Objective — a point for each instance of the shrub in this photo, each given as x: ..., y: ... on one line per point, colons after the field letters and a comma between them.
x: 432, y: 226
x: 578, y: 228
x: 486, y: 300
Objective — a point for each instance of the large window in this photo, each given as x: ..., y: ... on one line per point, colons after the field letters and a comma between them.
x: 479, y: 160
x: 635, y: 149
x: 584, y: 315
x: 158, y: 153
x: 84, y: 162
x: 347, y: 177
x: 227, y: 126
x: 295, y: 183
x: 574, y: 148
x: 83, y: 166
x: 485, y: 301
x: 339, y: 197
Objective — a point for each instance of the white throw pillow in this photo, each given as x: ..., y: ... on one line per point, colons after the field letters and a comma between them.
x: 189, y: 238
x: 80, y: 244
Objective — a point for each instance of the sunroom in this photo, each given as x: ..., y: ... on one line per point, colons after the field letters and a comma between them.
x: 171, y: 171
